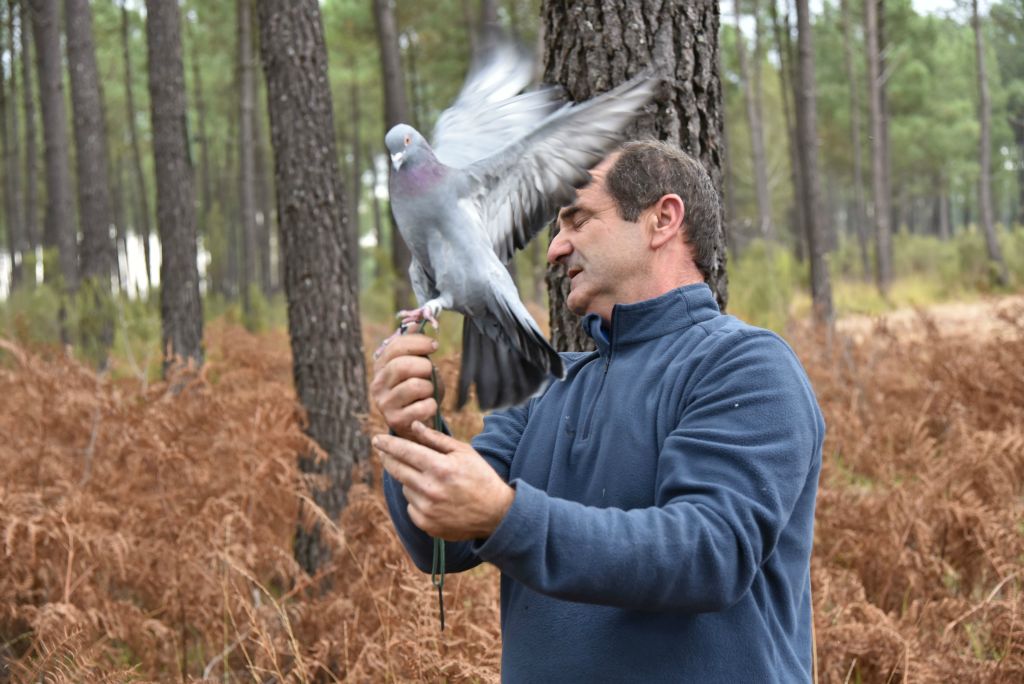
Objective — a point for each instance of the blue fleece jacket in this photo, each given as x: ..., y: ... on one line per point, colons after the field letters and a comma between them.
x: 663, y: 517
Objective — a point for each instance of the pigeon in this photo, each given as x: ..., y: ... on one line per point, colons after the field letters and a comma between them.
x: 501, y: 165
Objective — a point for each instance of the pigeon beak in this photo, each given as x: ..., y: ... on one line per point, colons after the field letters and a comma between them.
x: 396, y: 160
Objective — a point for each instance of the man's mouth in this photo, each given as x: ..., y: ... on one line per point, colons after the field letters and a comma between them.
x: 574, y: 271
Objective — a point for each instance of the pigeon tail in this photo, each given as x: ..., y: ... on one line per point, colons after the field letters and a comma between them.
x: 505, y: 372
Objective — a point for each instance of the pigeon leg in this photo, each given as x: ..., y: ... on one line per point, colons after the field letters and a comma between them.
x: 428, y: 312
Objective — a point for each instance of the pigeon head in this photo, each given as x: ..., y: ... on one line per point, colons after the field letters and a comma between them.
x: 406, y: 146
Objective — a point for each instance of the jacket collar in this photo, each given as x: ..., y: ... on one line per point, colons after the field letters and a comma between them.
x: 669, y: 313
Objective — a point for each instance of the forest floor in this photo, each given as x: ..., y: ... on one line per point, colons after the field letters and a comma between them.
x: 146, y: 534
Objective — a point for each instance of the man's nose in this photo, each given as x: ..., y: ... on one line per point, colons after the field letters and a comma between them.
x: 559, y: 247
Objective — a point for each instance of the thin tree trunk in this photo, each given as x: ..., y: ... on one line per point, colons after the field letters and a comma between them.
x: 945, y: 228
x: 883, y: 231
x: 396, y: 110
x: 323, y: 302
x: 264, y: 186
x: 995, y: 253
x: 807, y: 131
x: 357, y: 170
x: 1017, y: 126
x: 31, y: 155
x: 121, y: 234
x: 584, y: 54
x: 16, y: 239
x: 378, y: 223
x: 785, y: 51
x: 857, y: 216
x: 764, y: 209
x: 206, y: 188
x: 247, y: 163
x: 180, y: 306
x: 97, y: 252
x: 140, y: 177
x: 59, y: 229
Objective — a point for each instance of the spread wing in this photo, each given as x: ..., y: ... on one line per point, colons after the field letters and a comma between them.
x: 519, y: 190
x: 488, y: 107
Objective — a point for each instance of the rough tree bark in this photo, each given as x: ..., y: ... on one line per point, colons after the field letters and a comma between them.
x: 140, y: 177
x: 97, y: 251
x: 206, y: 187
x: 880, y: 186
x: 323, y: 304
x: 396, y: 110
x: 751, y: 97
x: 181, y: 308
x: 357, y: 169
x: 584, y: 53
x: 59, y: 228
x: 857, y: 216
x: 995, y: 253
x: 264, y: 187
x: 807, y: 132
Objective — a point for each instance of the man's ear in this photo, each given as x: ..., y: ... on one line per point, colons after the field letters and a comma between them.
x: 666, y: 219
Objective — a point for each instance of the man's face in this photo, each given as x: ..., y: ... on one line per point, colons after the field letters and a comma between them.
x: 605, y: 256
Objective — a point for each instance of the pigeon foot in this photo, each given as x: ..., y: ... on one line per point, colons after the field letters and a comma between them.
x: 426, y: 313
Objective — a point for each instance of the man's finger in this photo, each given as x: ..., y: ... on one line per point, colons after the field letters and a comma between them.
x: 411, y: 344
x: 409, y: 453
x: 404, y: 367
x: 437, y: 441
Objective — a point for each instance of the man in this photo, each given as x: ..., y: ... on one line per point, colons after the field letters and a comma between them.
x: 652, y: 513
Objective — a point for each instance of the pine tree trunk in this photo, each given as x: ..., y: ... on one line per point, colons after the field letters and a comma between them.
x: 140, y: 177
x: 357, y: 171
x: 206, y: 188
x: 584, y: 53
x: 784, y: 49
x: 323, y: 304
x: 807, y: 133
x: 181, y: 308
x: 31, y: 155
x: 247, y: 163
x: 1017, y: 126
x: 59, y: 231
x: 97, y: 251
x: 750, y: 98
x: 378, y: 222
x: 396, y: 111
x: 880, y: 187
x: 16, y: 239
x: 857, y: 217
x: 264, y: 189
x: 945, y: 226
x: 995, y: 253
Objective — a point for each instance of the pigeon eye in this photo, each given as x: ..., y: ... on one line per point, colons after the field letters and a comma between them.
x: 408, y: 139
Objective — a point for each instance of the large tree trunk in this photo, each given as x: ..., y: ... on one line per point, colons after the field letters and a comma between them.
x: 807, y: 132
x: 323, y: 303
x: 97, y: 252
x: 247, y: 163
x: 31, y: 155
x: 16, y: 239
x: 396, y: 111
x: 995, y: 253
x: 140, y: 177
x: 584, y: 54
x: 750, y: 84
x: 355, y: 145
x: 59, y: 228
x: 879, y: 175
x: 181, y: 308
x: 857, y: 216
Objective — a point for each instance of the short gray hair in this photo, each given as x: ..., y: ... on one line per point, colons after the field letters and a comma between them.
x: 647, y: 170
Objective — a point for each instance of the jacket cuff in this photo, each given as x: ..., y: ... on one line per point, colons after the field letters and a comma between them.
x: 519, y: 528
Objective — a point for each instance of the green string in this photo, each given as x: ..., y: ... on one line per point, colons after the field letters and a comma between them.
x: 437, y: 566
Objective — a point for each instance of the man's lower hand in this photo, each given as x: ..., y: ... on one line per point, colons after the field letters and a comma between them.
x: 453, y: 493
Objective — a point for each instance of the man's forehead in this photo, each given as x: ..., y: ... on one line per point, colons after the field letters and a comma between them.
x: 591, y: 194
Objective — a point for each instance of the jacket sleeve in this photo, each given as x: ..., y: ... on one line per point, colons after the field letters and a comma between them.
x: 497, y: 443
x: 729, y: 476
